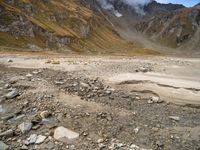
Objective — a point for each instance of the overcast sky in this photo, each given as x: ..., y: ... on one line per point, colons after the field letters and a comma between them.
x: 187, y: 3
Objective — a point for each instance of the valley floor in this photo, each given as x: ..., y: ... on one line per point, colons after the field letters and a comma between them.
x: 113, y: 102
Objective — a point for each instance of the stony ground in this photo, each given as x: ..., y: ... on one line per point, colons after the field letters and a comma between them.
x: 35, y: 103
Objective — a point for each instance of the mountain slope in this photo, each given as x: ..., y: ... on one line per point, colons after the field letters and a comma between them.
x: 170, y: 26
x: 172, y: 29
x: 85, y: 26
x: 58, y: 24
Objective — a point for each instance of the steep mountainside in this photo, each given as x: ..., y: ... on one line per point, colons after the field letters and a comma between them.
x: 168, y: 25
x: 58, y: 24
x: 173, y: 29
x: 97, y: 26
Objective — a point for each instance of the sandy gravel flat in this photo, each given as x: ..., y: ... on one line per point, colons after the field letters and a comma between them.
x: 175, y: 80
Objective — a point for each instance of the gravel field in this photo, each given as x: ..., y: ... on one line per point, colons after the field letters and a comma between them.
x: 99, y: 103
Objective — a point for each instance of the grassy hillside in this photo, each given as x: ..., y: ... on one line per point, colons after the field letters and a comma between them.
x: 58, y: 25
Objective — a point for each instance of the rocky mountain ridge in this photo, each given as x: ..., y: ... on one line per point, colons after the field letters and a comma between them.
x: 87, y: 27
x: 172, y: 29
x: 169, y: 25
x: 65, y: 25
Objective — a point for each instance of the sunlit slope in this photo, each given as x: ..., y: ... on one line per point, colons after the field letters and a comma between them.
x: 59, y: 25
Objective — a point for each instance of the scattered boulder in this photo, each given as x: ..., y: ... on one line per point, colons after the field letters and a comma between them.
x: 35, y: 72
x: 100, y: 141
x: 176, y: 118
x: 136, y: 130
x: 154, y: 99
x: 85, y: 85
x: 64, y: 135
x: 32, y: 139
x: 143, y: 69
x: 1, y: 109
x: 10, y: 60
x: 159, y: 144
x: 3, y: 146
x: 45, y: 114
x: 7, y: 117
x: 40, y: 139
x: 6, y: 86
x: 29, y: 75
x: 12, y: 94
x: 150, y: 101
x: 59, y: 82
x: 8, y: 133
x: 24, y: 147
x: 25, y: 127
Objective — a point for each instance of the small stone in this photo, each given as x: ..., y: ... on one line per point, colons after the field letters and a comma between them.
x: 45, y: 114
x: 8, y: 133
x: 24, y: 147
x: 6, y: 86
x: 29, y: 75
x: 100, y: 141
x: 10, y: 60
x: 7, y: 117
x: 55, y: 62
x: 19, y: 117
x: 64, y: 135
x: 59, y: 82
x: 150, y: 101
x: 12, y: 94
x: 136, y: 130
x: 35, y: 72
x: 3, y: 146
x: 1, y: 109
x: 72, y: 146
x: 155, y: 129
x: 85, y: 85
x: 101, y: 146
x: 35, y: 127
x: 143, y: 69
x: 32, y: 139
x: 49, y: 146
x: 155, y: 99
x: 108, y: 92
x: 40, y: 139
x: 25, y: 127
x: 137, y: 98
x: 176, y: 118
x: 159, y: 144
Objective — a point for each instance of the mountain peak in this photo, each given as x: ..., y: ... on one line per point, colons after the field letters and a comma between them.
x: 155, y: 7
x: 197, y: 5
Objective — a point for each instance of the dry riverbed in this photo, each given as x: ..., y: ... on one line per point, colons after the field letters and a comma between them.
x: 89, y: 102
